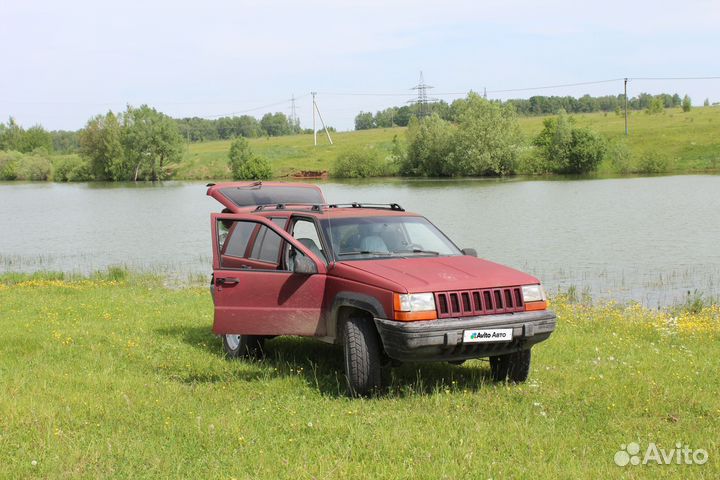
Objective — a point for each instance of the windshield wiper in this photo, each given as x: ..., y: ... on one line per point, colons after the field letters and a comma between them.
x: 418, y: 250
x: 364, y: 252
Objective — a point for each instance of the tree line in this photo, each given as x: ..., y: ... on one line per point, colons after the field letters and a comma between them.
x: 13, y: 137
x: 196, y: 129
x: 137, y: 144
x: 535, y: 105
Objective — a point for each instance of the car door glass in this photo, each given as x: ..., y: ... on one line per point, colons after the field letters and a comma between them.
x: 248, y: 245
x: 306, y: 233
x: 234, y: 236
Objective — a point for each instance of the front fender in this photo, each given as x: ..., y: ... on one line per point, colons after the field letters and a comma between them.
x: 357, y: 300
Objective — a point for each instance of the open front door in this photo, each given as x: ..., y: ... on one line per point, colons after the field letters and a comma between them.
x: 256, y: 290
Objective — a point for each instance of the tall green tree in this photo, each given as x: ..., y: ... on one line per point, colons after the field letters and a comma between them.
x: 430, y: 143
x: 364, y: 121
x: 11, y: 136
x: 488, y: 138
x: 152, y: 142
x: 101, y: 144
x: 275, y: 124
x: 36, y: 137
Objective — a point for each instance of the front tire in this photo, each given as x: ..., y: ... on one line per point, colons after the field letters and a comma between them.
x: 512, y: 366
x: 242, y: 346
x: 363, y: 368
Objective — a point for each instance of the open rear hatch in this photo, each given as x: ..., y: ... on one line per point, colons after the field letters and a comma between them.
x: 243, y: 196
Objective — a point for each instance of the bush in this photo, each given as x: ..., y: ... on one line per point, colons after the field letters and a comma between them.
x: 620, y: 157
x: 686, y: 104
x: 652, y: 162
x: 34, y: 167
x: 8, y: 165
x: 72, y: 169
x: 587, y: 150
x: 362, y: 163
x: 254, y: 169
x: 244, y: 165
x: 564, y: 148
x: 657, y: 105
x: 429, y: 147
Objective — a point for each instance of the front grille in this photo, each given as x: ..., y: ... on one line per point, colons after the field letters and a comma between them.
x: 471, y: 303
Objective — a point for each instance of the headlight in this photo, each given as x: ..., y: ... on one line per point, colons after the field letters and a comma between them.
x: 534, y: 297
x: 416, y: 302
x: 414, y: 306
x: 533, y: 293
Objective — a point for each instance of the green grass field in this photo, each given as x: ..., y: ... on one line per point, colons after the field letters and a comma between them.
x: 688, y: 142
x: 287, y: 154
x: 118, y: 376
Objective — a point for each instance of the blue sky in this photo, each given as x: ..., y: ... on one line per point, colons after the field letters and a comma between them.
x: 63, y: 62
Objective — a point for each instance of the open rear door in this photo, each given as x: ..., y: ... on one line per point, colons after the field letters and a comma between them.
x: 244, y: 196
x: 256, y: 291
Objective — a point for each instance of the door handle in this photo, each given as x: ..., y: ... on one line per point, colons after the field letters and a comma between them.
x: 228, y: 281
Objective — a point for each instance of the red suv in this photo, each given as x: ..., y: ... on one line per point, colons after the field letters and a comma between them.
x: 384, y: 283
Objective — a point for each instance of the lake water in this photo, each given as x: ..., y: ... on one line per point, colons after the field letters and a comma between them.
x: 645, y: 239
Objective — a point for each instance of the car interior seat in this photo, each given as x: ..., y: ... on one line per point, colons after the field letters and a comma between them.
x: 312, y: 246
x: 373, y: 243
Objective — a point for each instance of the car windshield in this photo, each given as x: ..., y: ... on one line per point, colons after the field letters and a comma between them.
x: 361, y: 238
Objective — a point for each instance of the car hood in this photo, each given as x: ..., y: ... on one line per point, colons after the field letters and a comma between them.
x: 438, y: 274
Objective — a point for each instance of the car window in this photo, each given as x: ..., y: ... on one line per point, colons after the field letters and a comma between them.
x: 249, y: 245
x: 306, y: 233
x: 421, y: 237
x: 236, y: 235
x: 356, y: 238
x: 267, y: 246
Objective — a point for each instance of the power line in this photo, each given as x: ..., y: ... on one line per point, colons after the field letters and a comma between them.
x: 563, y: 85
x: 674, y: 78
x: 283, y: 102
x: 508, y: 90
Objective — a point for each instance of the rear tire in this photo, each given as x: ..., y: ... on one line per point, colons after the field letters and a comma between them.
x: 243, y: 346
x: 363, y: 368
x: 512, y: 366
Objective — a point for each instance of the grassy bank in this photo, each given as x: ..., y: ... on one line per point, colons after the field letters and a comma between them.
x: 686, y: 142
x: 119, y: 376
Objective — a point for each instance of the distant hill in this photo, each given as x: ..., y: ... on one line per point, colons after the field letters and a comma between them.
x: 689, y: 142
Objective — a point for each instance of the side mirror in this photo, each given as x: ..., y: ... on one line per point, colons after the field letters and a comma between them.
x: 304, y: 265
x: 470, y: 252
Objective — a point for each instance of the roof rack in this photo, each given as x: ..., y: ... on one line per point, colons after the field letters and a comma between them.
x: 378, y: 206
x: 314, y: 207
x: 289, y: 206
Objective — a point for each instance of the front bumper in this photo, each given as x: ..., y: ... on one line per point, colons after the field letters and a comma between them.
x: 442, y: 339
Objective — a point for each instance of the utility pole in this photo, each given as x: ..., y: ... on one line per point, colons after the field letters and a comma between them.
x: 313, y: 109
x: 485, y: 93
x: 316, y: 109
x: 626, y: 113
